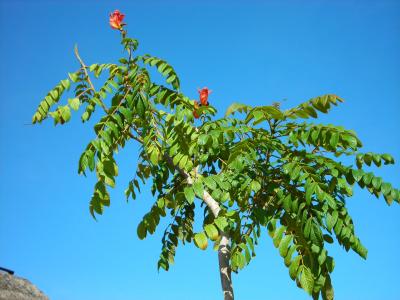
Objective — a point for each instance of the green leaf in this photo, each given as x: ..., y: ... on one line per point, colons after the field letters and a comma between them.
x: 189, y: 194
x: 141, y: 231
x: 284, y: 245
x: 234, y: 107
x: 328, y: 238
x: 376, y: 182
x: 334, y: 139
x: 310, y: 189
x: 65, y: 114
x: 250, y: 243
x: 367, y: 158
x: 200, y: 240
x: 255, y: 186
x: 278, y: 236
x: 307, y: 280
x: 387, y: 158
x: 238, y: 260
x: 209, y: 181
x: 198, y: 189
x: 294, y: 266
x: 65, y: 83
x: 357, y: 174
x: 330, y: 264
x: 74, y: 103
x: 211, y: 231
x: 73, y: 76
x: 288, y: 258
x: 367, y: 178
x: 377, y: 159
x: 331, y: 219
x: 307, y: 228
x: 202, y: 139
x: 221, y: 223
x: 154, y: 156
x: 327, y: 290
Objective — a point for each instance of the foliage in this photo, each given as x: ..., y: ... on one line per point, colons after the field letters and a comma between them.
x: 266, y: 167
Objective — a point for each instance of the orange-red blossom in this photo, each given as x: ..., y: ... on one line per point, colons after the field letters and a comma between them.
x: 204, y: 92
x: 116, y: 19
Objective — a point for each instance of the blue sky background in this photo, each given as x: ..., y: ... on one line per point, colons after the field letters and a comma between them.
x: 254, y: 52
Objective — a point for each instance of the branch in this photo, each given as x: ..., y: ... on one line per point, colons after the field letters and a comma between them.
x: 84, y: 67
x: 207, y: 198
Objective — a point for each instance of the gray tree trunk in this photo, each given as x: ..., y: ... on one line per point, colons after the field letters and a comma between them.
x: 224, y: 253
x: 224, y: 256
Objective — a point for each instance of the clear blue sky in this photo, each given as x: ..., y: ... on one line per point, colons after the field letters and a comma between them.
x: 254, y: 52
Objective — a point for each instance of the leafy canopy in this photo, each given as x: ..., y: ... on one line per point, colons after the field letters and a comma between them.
x: 266, y: 167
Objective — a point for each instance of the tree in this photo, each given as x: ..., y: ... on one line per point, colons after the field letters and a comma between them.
x: 257, y: 167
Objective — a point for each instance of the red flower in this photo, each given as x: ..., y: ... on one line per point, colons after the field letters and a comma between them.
x: 204, y: 92
x: 116, y: 19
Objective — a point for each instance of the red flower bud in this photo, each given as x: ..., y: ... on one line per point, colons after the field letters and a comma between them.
x: 196, y: 107
x: 116, y: 19
x: 204, y: 92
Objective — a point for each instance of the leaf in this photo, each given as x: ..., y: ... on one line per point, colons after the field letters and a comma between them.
x: 330, y: 264
x: 154, y: 156
x: 221, y: 223
x: 376, y: 182
x: 310, y: 189
x: 357, y: 174
x: 284, y: 245
x: 238, y: 260
x: 314, y: 135
x: 307, y: 228
x: 377, y: 159
x: 334, y: 139
x: 189, y: 194
x: 183, y: 162
x: 387, y: 158
x: 386, y: 188
x: 74, y: 103
x: 202, y: 139
x: 327, y: 290
x: 294, y: 266
x: 367, y: 178
x: 211, y: 231
x: 73, y: 76
x: 141, y: 231
x: 65, y: 114
x: 198, y: 189
x: 278, y: 236
x: 328, y: 238
x: 234, y: 107
x: 209, y: 181
x: 250, y: 243
x: 307, y: 280
x: 288, y: 257
x: 255, y: 186
x: 200, y: 240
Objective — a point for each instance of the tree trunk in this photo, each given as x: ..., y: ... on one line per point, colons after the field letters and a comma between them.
x: 224, y: 255
x: 224, y: 252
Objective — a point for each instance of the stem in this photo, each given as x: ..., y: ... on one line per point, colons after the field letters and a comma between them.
x: 84, y: 67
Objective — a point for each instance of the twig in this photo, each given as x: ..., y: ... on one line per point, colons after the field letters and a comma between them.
x: 84, y: 67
